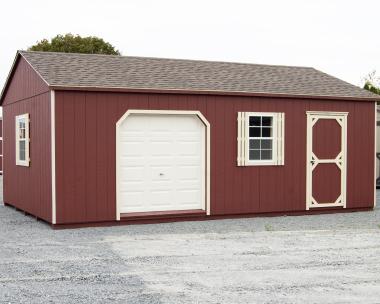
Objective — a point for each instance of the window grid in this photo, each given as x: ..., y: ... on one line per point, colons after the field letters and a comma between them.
x: 260, y: 138
x: 21, y: 139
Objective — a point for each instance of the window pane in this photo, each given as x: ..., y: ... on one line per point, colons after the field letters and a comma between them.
x: 266, y: 154
x: 22, y: 133
x: 267, y: 121
x: 254, y: 144
x: 22, y: 155
x: 22, y: 144
x: 267, y: 132
x: 254, y: 154
x: 22, y: 150
x: 254, y: 132
x: 266, y: 144
x: 254, y: 120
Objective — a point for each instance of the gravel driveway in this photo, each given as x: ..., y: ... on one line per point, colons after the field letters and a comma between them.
x: 312, y: 259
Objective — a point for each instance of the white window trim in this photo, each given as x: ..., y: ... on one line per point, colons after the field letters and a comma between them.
x: 25, y: 162
x: 278, y: 129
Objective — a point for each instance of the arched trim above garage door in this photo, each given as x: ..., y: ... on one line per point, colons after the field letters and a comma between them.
x: 164, y: 112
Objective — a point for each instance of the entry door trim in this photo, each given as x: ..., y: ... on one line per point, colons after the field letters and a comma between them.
x: 165, y: 112
x: 312, y: 161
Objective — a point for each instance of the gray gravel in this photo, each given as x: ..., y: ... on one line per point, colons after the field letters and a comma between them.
x: 327, y: 258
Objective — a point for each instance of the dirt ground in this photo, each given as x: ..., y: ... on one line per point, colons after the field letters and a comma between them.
x: 301, y: 259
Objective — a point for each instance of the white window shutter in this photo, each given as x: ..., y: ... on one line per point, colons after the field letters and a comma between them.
x: 241, y: 139
x: 280, y: 138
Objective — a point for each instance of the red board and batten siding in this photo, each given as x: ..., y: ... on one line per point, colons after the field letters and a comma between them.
x: 28, y: 188
x: 85, y: 152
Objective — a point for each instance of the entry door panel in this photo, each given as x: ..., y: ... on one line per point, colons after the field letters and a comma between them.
x: 161, y: 163
x: 326, y: 159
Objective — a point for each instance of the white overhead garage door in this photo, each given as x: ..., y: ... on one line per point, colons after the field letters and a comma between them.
x: 161, y: 163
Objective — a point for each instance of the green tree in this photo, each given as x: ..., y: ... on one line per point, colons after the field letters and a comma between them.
x: 372, y: 83
x: 69, y: 43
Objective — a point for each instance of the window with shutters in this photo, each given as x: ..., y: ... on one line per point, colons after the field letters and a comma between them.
x: 260, y: 138
x: 22, y: 140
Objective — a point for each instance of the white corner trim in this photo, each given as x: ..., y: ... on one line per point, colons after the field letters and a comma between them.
x: 166, y: 112
x: 375, y: 143
x: 52, y: 148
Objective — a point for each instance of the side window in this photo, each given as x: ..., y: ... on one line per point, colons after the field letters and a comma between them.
x: 260, y: 138
x: 22, y: 140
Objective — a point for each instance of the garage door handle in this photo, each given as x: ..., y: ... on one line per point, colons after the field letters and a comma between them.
x: 161, y: 174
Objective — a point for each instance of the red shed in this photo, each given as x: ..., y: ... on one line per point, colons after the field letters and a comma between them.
x: 92, y: 139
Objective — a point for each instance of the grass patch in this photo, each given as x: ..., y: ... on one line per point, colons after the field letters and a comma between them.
x: 269, y: 227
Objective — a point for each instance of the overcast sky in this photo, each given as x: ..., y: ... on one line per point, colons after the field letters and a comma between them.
x: 339, y: 37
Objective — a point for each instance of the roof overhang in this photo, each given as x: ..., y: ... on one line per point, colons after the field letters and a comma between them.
x: 208, y: 92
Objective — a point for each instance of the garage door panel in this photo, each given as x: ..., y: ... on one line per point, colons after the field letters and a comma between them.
x: 135, y: 198
x: 132, y: 186
x: 132, y: 135
x: 161, y: 198
x: 190, y: 161
x: 162, y: 163
x: 188, y: 148
x: 188, y: 172
x: 161, y: 173
x: 188, y: 136
x: 160, y: 148
x: 133, y: 174
x: 188, y: 196
x: 160, y: 135
x: 133, y: 149
x: 133, y: 163
x: 157, y: 185
x: 158, y: 161
x: 132, y: 159
x: 187, y: 184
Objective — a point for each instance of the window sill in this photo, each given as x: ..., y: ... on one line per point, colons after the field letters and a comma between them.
x: 262, y: 163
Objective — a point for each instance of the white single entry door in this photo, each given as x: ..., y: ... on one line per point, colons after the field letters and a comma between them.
x: 326, y: 159
x: 161, y: 161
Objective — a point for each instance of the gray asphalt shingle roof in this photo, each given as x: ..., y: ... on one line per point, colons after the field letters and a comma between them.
x: 107, y: 71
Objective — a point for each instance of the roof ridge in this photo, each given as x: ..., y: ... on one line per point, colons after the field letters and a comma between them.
x: 173, y: 59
